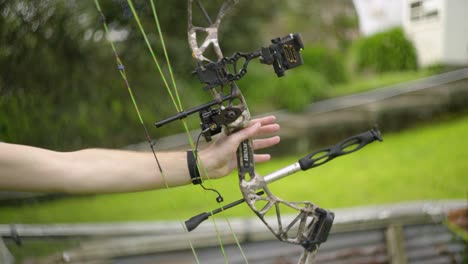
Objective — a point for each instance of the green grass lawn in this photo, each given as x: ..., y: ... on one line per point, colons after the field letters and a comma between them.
x: 365, y: 83
x: 428, y: 162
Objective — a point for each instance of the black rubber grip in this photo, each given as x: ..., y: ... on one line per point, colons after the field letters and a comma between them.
x: 193, y: 222
x: 344, y: 147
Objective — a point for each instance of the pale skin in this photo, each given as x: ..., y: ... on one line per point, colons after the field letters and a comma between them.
x: 26, y: 168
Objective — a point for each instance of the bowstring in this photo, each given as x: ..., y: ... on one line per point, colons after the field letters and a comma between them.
x: 137, y: 19
x: 178, y: 108
x: 123, y: 74
x: 224, y: 8
x: 166, y: 55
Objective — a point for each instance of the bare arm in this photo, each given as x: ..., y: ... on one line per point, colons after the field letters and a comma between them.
x: 25, y: 168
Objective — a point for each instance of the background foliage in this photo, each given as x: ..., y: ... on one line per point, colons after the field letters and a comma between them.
x: 58, y: 83
x: 59, y: 87
x: 328, y: 62
x: 385, y: 52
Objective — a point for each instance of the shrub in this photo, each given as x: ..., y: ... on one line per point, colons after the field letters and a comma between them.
x: 325, y: 61
x: 265, y: 92
x: 386, y: 51
x: 299, y: 88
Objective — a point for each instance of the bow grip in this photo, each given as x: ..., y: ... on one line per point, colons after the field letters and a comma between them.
x: 344, y: 147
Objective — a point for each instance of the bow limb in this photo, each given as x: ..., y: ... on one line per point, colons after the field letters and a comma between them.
x: 211, y: 30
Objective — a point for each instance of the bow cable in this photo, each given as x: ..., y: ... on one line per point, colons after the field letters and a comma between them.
x: 179, y: 108
x: 163, y: 44
x: 123, y: 74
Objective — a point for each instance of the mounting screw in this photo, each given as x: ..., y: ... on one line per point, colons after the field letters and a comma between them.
x: 231, y: 114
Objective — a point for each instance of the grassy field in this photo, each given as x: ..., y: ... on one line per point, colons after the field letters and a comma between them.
x: 366, y: 83
x: 423, y: 163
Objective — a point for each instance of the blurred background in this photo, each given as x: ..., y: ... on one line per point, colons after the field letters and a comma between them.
x: 399, y: 65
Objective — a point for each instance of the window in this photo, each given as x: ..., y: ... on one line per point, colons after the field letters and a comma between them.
x: 423, y: 10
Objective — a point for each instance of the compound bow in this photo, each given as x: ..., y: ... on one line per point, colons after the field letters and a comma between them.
x: 228, y: 112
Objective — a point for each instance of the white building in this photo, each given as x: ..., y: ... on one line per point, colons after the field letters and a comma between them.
x: 438, y: 29
x: 378, y: 15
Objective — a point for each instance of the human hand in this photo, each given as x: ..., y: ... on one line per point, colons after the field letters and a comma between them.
x: 219, y: 158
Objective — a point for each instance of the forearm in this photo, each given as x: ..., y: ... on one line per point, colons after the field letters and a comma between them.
x: 104, y: 170
x: 25, y: 168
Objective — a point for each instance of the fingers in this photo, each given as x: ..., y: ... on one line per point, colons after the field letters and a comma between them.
x: 265, y: 143
x: 258, y: 158
x: 268, y: 125
x: 259, y: 127
x: 245, y: 133
x: 264, y: 120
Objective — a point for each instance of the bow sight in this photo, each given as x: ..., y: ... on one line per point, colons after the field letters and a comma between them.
x: 283, y: 54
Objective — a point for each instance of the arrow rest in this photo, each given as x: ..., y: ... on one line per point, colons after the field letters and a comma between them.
x: 213, y: 120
